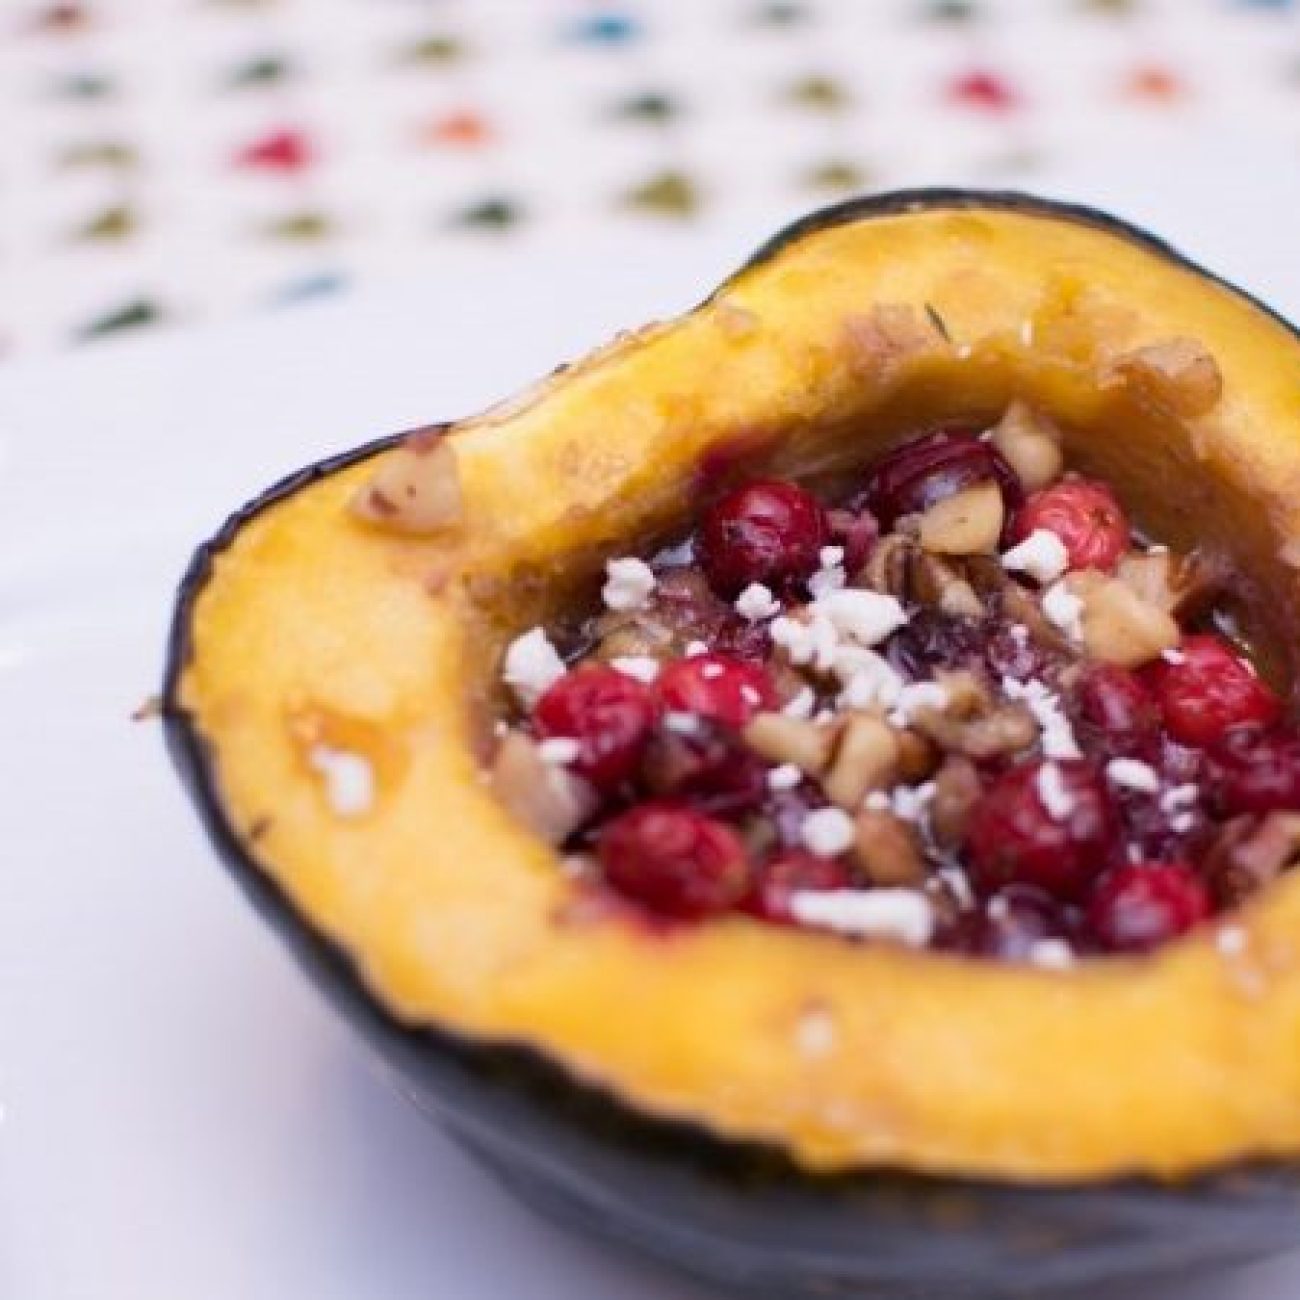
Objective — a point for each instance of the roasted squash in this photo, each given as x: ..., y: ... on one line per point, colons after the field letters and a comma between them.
x: 362, y: 607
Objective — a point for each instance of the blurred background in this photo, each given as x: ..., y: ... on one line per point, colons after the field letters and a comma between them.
x: 181, y: 161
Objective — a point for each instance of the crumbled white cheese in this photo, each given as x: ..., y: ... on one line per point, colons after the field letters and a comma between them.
x: 867, y: 617
x: 1057, y: 735
x: 1157, y: 548
x: 1019, y: 633
x: 711, y: 672
x: 1177, y: 804
x: 349, y: 779
x: 1042, y: 555
x: 870, y: 681
x: 1133, y: 774
x: 814, y: 1033
x: 810, y: 642
x: 1056, y: 799
x: 903, y: 915
x: 750, y: 695
x: 642, y: 667
x: 696, y: 648
x: 1051, y: 954
x: 1173, y: 656
x: 784, y: 777
x: 558, y: 749
x: 917, y: 697
x: 827, y: 832
x: 628, y: 584
x: 877, y: 801
x: 830, y: 557
x: 910, y: 803
x: 756, y: 603
x: 532, y: 664
x: 1064, y: 610
x: 683, y: 724
x: 800, y: 705
x: 825, y: 581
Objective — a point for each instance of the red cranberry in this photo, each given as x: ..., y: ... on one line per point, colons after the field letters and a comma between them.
x: 718, y: 687
x: 793, y: 871
x: 769, y: 532
x: 856, y: 531
x: 1014, y: 920
x: 918, y: 474
x: 708, y: 767
x: 1141, y: 906
x: 1084, y: 515
x: 1013, y: 839
x: 1116, y: 711
x: 1210, y: 690
x: 608, y: 713
x: 674, y: 860
x: 1250, y: 772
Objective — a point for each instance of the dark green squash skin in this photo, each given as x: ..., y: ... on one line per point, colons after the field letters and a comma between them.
x: 743, y: 1215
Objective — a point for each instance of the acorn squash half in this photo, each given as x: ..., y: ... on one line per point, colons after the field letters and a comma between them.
x: 964, y: 1123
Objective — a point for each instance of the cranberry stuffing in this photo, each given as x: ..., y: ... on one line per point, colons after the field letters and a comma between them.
x: 788, y: 874
x: 1210, y: 690
x: 674, y: 860
x: 1085, y: 515
x: 1253, y: 772
x: 1117, y: 713
x: 1012, y: 838
x: 768, y: 532
x: 707, y: 767
x: 1014, y: 920
x: 716, y: 686
x: 1139, y: 907
x: 919, y: 474
x: 608, y: 713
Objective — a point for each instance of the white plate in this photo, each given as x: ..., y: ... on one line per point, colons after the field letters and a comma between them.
x: 183, y: 1120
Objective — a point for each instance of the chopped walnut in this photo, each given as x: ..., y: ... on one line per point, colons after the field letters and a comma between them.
x: 887, y: 849
x: 783, y: 739
x: 937, y: 582
x: 1177, y: 373
x: 973, y: 723
x: 866, y: 759
x: 550, y: 800
x: 887, y: 567
x: 1250, y: 853
x: 1120, y: 627
x: 956, y: 792
x: 967, y: 523
x: 916, y: 757
x: 1181, y: 585
x: 1031, y: 444
x: 415, y: 488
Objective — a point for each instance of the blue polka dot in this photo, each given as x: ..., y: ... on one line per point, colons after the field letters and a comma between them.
x: 606, y: 29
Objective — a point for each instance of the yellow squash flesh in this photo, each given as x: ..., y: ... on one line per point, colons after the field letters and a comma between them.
x: 316, y: 627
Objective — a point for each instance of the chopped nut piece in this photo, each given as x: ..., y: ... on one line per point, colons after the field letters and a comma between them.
x: 972, y: 723
x: 887, y: 850
x: 783, y: 739
x: 967, y: 523
x: 956, y: 792
x: 1118, y: 625
x: 1031, y: 444
x: 916, y: 757
x: 415, y: 488
x: 934, y: 581
x: 546, y: 797
x: 886, y: 569
x: 1250, y: 853
x: 1181, y: 585
x: 866, y: 758
x: 1178, y: 373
